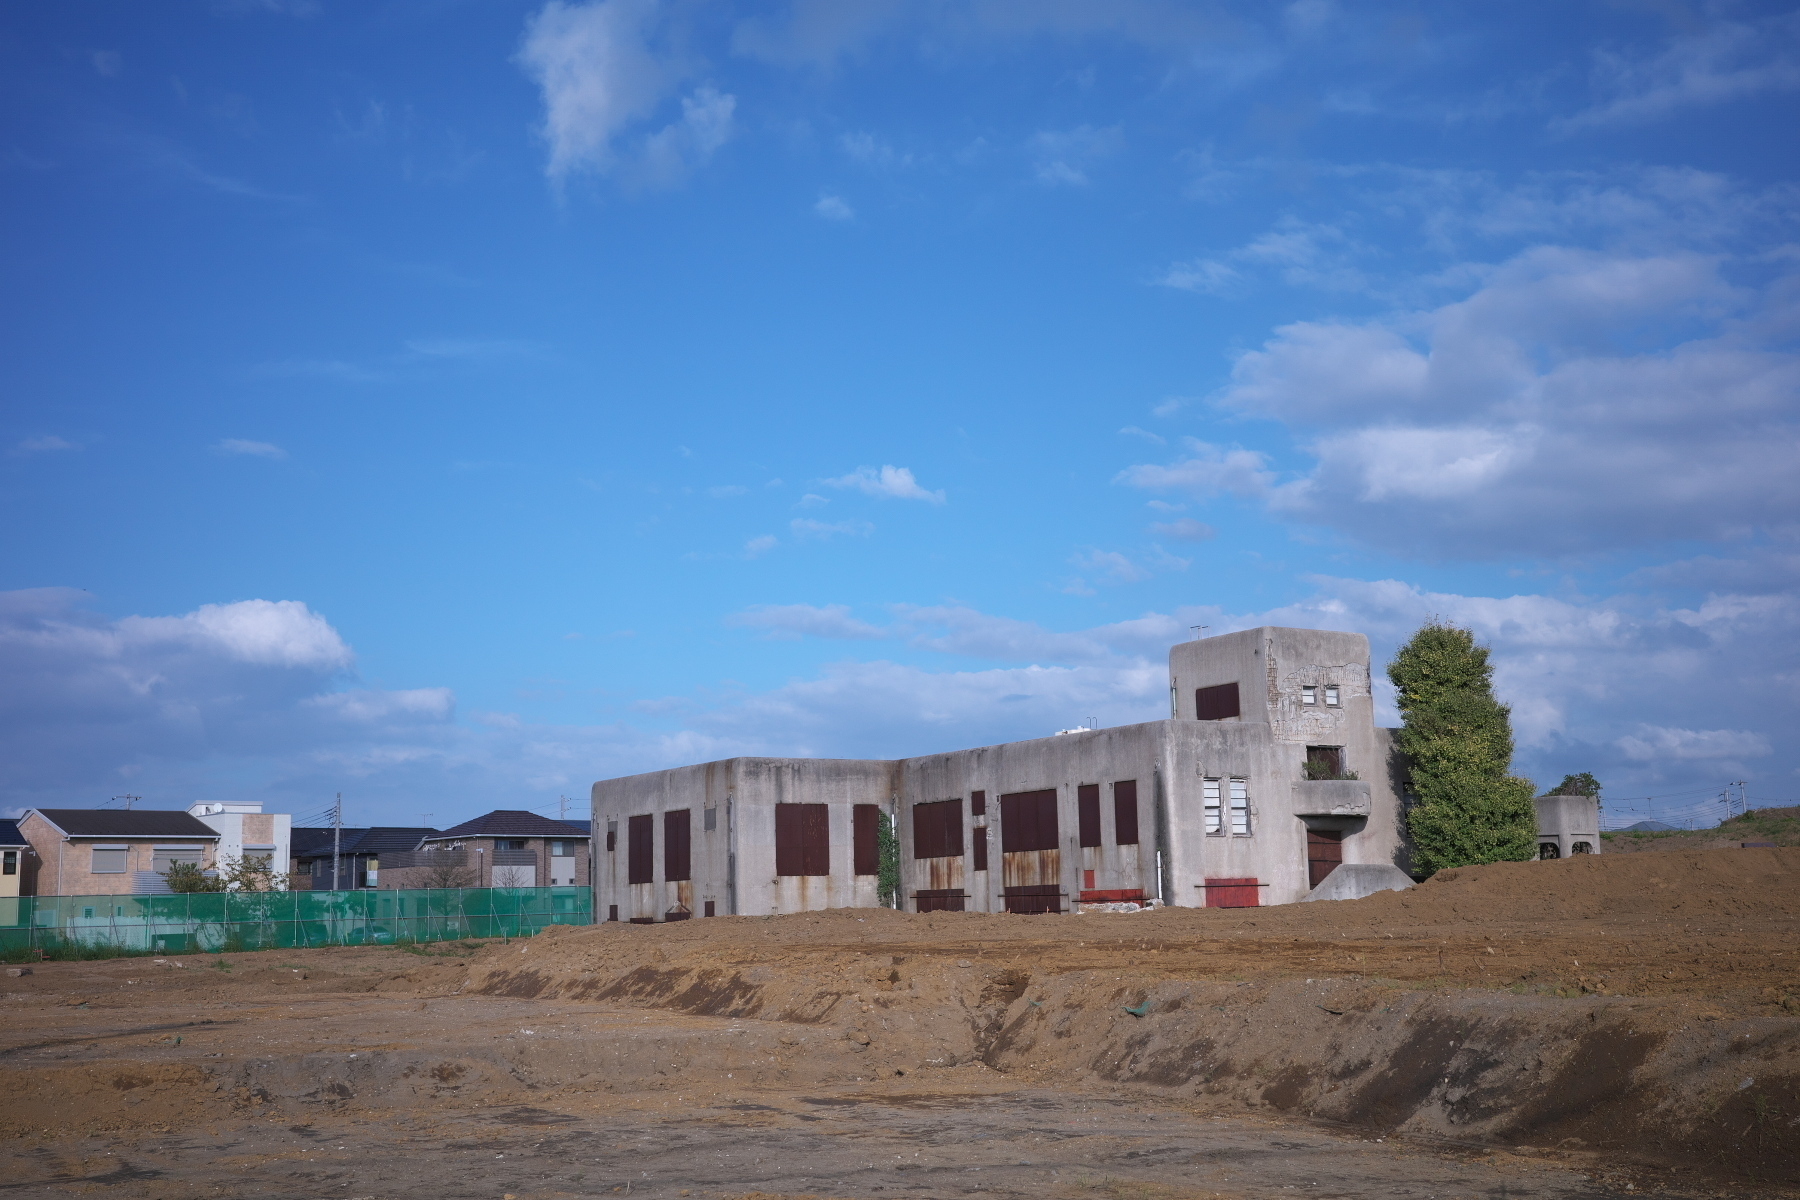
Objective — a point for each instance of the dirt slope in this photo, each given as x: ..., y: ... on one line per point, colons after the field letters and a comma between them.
x: 1778, y: 825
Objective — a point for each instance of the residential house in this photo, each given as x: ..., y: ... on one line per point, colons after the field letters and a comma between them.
x: 102, y: 851
x: 246, y: 832
x: 504, y: 848
x: 15, y: 859
x: 359, y: 855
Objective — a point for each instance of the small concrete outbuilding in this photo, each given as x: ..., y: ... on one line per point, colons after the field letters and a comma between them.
x: 1267, y: 777
x: 1568, y: 825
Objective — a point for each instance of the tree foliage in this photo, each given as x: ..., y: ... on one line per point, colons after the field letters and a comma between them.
x: 1458, y: 742
x: 191, y: 877
x: 1583, y: 784
x: 887, y: 845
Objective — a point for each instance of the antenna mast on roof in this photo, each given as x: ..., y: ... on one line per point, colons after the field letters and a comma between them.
x: 337, y: 838
x: 1198, y: 630
x: 562, y: 808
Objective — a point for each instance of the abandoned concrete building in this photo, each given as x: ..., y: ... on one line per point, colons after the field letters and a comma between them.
x: 1268, y: 775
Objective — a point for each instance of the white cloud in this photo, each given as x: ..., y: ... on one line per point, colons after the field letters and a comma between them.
x: 833, y: 208
x: 1185, y: 530
x: 276, y: 633
x: 1204, y: 275
x: 1574, y: 400
x: 43, y: 445
x: 804, y: 528
x: 1134, y: 431
x: 789, y: 622
x: 1654, y: 743
x: 1066, y: 156
x: 726, y: 491
x: 758, y: 546
x: 254, y: 449
x: 1724, y: 60
x: 887, y: 482
x: 600, y: 78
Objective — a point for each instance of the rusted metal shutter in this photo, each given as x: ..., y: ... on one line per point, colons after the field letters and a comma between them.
x: 1028, y: 821
x: 1324, y: 854
x: 979, y: 836
x: 640, y: 849
x: 1216, y: 703
x: 1125, y: 817
x: 1046, y: 898
x: 803, y: 839
x: 978, y: 804
x: 1087, y: 812
x: 1233, y: 893
x: 939, y: 900
x: 865, y: 850
x: 678, y: 840
x: 938, y: 829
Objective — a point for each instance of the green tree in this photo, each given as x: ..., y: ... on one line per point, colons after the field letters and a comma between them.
x: 1583, y: 784
x: 189, y: 877
x: 887, y: 844
x: 1458, y: 743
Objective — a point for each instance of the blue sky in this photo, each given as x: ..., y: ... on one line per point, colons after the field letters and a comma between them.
x: 452, y: 404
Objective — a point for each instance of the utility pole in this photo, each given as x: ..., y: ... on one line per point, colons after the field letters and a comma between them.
x: 562, y: 808
x: 337, y: 838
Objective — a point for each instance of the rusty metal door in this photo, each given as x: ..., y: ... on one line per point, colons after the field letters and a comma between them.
x: 1030, y: 852
x: 1324, y: 854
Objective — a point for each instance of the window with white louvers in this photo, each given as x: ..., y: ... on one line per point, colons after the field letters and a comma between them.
x: 1240, y: 806
x: 1215, y: 817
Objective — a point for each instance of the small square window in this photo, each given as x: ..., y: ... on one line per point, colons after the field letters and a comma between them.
x: 1331, y: 694
x: 1309, y: 695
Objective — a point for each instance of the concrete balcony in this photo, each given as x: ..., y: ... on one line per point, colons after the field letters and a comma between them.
x: 1331, y: 798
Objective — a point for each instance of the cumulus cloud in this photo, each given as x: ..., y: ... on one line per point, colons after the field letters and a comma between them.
x: 254, y: 449
x: 834, y: 208
x: 1575, y: 400
x: 756, y: 547
x: 887, y: 483
x: 600, y: 78
x: 789, y: 622
x: 1654, y: 742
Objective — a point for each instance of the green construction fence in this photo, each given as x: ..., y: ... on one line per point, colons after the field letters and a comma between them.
x: 228, y: 921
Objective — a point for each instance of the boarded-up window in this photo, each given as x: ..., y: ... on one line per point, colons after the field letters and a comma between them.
x: 712, y: 908
x: 1043, y: 898
x: 1233, y: 893
x: 1215, y: 814
x: 612, y: 910
x: 1087, y: 813
x: 640, y: 849
x: 803, y: 839
x: 978, y: 804
x: 1125, y: 825
x: 612, y: 836
x: 1216, y: 703
x: 978, y: 836
x: 939, y: 900
x: 866, y: 839
x: 938, y: 829
x: 678, y: 840
x: 1028, y: 821
x: 1240, y: 806
x: 709, y: 819
x: 110, y: 860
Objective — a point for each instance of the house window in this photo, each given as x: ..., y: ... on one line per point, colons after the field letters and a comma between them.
x: 167, y: 856
x: 1240, y: 806
x: 1215, y: 816
x: 1331, y: 694
x: 1309, y: 695
x: 1087, y: 811
x: 9, y: 862
x: 110, y: 860
x: 1325, y: 762
x: 1125, y: 812
x: 802, y: 839
x: 678, y: 839
x: 509, y: 844
x: 1216, y: 703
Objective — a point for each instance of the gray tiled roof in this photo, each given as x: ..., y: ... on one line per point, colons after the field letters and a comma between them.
x: 126, y: 823
x: 511, y: 822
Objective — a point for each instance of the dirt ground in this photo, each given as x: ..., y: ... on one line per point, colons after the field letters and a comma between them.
x: 1599, y: 1026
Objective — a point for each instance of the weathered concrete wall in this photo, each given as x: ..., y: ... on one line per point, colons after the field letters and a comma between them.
x: 1564, y: 821
x: 733, y: 861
